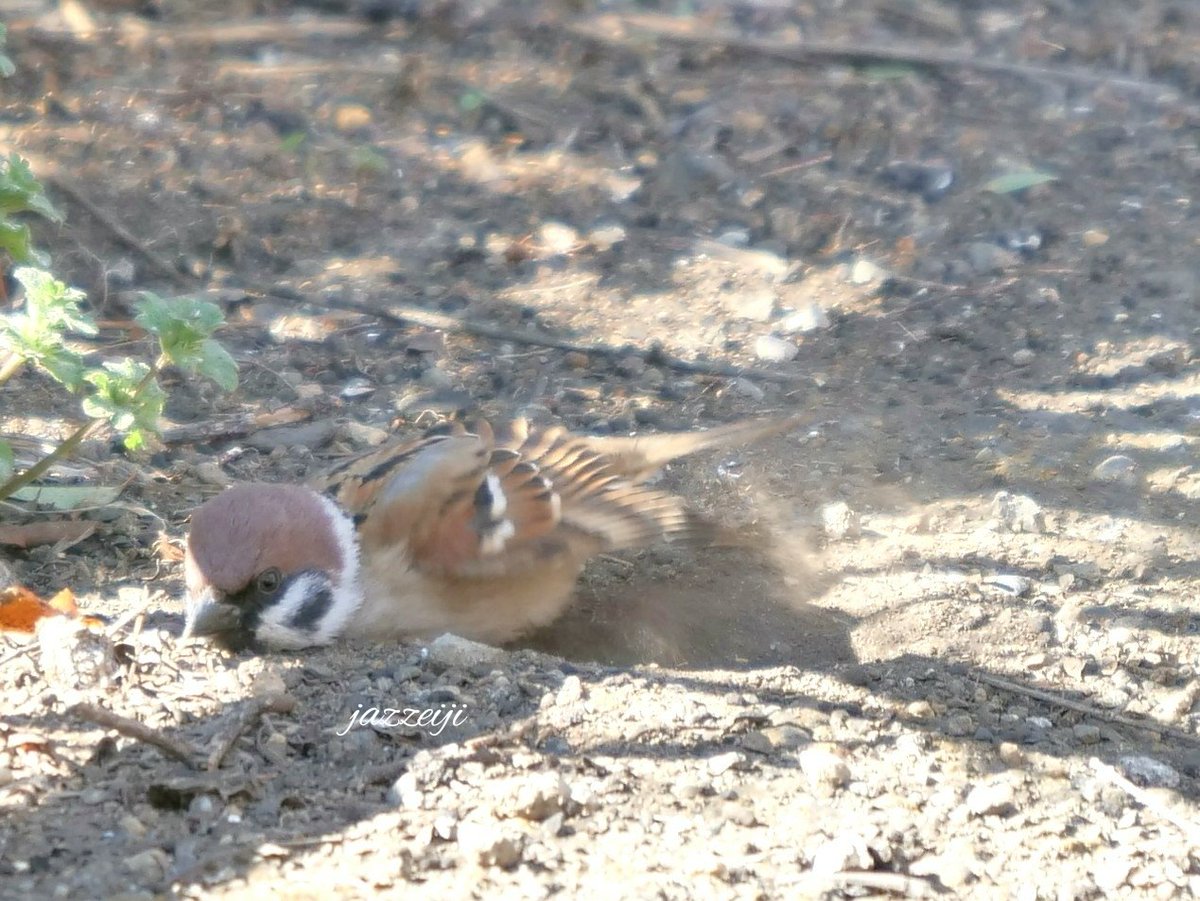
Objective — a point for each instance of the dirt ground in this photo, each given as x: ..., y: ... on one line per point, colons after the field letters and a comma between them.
x: 963, y: 659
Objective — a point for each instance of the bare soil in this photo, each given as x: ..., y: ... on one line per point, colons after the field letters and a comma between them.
x: 961, y: 658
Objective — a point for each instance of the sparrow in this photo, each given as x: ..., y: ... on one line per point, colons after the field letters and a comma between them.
x: 477, y: 530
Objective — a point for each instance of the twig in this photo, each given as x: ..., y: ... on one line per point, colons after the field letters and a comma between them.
x: 122, y: 234
x: 72, y: 441
x: 1112, y: 775
x: 138, y: 609
x: 899, y: 883
x: 233, y: 426
x: 273, y: 703
x: 1089, y: 709
x: 403, y: 314
x: 668, y: 29
x: 269, y: 29
x: 11, y: 366
x: 17, y: 654
x: 131, y: 728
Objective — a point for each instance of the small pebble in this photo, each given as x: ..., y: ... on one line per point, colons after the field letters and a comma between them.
x: 960, y: 725
x: 489, y: 844
x: 824, y: 767
x: 757, y: 305
x: 1117, y: 469
x: 437, y: 378
x: 605, y: 237
x: 452, y: 650
x: 864, y: 272
x: 747, y: 388
x: 1011, y: 754
x: 991, y: 798
x: 1017, y: 513
x: 919, y: 709
x: 722, y: 763
x: 840, y: 522
x: 809, y: 318
x: 556, y: 238
x: 357, y: 387
x: 542, y: 796
x: 987, y: 258
x: 1148, y: 772
x: 570, y: 691
x: 844, y: 852
x: 771, y: 349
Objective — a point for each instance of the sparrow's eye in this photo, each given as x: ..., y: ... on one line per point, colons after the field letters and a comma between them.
x: 268, y: 581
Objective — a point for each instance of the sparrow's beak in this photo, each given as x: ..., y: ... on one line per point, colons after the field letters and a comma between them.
x: 208, y: 615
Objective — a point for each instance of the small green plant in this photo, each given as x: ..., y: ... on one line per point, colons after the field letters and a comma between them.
x: 21, y: 192
x: 124, y: 393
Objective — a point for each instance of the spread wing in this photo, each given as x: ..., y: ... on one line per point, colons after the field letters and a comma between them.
x: 480, y: 501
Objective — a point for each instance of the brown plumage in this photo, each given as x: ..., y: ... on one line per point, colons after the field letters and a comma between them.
x: 472, y: 529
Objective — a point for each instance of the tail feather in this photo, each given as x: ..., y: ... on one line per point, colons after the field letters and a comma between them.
x: 639, y: 457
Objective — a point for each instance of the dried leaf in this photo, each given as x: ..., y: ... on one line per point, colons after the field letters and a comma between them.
x: 21, y: 609
x: 68, y: 497
x: 33, y: 534
x: 166, y: 551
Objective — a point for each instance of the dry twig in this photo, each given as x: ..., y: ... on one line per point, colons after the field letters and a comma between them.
x: 250, y: 715
x: 612, y: 30
x: 898, y: 883
x: 232, y: 426
x: 131, y: 728
x: 1089, y: 709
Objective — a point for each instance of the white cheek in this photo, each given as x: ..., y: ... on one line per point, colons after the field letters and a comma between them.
x: 348, y: 594
x: 496, y: 493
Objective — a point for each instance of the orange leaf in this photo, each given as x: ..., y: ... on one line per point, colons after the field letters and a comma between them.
x: 64, y: 602
x: 20, y: 609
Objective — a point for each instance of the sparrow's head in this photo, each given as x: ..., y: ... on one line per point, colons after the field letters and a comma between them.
x: 271, y: 566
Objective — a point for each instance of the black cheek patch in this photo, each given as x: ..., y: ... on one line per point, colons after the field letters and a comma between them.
x: 313, y: 610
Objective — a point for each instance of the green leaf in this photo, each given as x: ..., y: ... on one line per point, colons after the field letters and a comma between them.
x: 62, y: 364
x: 8, y: 462
x: 1014, y: 182
x: 51, y: 304
x: 68, y: 497
x: 471, y: 100
x: 368, y: 161
x: 125, y: 399
x: 293, y: 142
x: 16, y: 240
x: 36, y: 334
x: 216, y: 363
x: 183, y: 326
x: 21, y: 192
